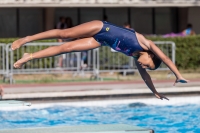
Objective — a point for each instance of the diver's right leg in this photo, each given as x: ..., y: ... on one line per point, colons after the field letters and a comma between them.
x: 73, y: 46
x: 83, y: 30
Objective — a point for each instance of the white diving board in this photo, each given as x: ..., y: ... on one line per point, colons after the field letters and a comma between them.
x: 116, y: 128
x: 11, y: 103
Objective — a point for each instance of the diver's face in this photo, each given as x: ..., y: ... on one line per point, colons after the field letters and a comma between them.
x: 145, y: 60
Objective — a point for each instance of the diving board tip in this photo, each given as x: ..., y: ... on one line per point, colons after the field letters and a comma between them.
x: 9, y: 103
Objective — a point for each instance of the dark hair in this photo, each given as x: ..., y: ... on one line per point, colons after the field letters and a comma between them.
x: 157, y: 61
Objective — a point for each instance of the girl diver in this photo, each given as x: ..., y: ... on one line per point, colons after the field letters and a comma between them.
x: 95, y: 34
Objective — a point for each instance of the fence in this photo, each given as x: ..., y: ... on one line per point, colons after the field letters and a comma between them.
x: 2, y: 59
x: 93, y: 61
x: 66, y: 63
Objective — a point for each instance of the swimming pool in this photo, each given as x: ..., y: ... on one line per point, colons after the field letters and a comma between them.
x: 179, y: 115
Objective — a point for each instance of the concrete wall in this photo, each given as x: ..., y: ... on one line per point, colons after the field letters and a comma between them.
x: 182, y: 18
x: 163, y: 21
x: 89, y: 14
x: 21, y: 22
x: 66, y: 12
x: 117, y: 16
x: 194, y: 18
x: 49, y: 18
x: 8, y: 22
x: 141, y: 20
x: 31, y: 21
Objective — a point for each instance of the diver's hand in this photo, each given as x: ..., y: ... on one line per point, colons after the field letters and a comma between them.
x: 1, y: 92
x: 160, y: 96
x: 181, y: 80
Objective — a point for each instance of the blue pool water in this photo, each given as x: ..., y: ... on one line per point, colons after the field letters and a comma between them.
x: 163, y: 119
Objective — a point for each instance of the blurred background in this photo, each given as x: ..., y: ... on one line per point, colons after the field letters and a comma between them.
x: 100, y: 86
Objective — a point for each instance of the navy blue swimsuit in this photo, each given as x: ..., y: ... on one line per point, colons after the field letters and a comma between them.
x: 118, y: 38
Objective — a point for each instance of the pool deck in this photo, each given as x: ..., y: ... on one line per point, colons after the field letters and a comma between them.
x: 97, y: 89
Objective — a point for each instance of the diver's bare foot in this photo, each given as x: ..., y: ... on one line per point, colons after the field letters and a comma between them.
x: 18, y: 43
x: 26, y: 57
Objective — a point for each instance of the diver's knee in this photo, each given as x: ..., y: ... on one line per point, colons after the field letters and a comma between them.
x: 66, y: 48
x: 63, y: 33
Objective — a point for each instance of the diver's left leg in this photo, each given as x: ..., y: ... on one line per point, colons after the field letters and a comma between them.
x: 73, y: 46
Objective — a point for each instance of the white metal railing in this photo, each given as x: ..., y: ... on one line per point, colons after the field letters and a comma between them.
x: 73, y: 63
x: 2, y: 59
x: 98, y: 1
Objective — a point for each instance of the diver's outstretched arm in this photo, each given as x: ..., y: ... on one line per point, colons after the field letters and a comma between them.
x: 81, y: 31
x: 167, y: 61
x: 147, y: 79
x: 149, y: 45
